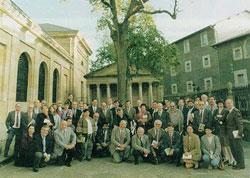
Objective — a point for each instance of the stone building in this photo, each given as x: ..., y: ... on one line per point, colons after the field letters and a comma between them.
x: 207, y: 58
x: 102, y: 84
x: 38, y: 63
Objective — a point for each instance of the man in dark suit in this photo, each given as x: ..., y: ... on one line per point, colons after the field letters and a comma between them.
x: 44, y: 119
x: 162, y: 115
x: 70, y: 100
x: 153, y: 109
x: 183, y: 108
x: 103, y: 140
x: 234, y: 124
x: 43, y: 149
x: 171, y: 145
x: 189, y: 118
x: 94, y: 108
x: 105, y: 115
x: 76, y: 114
x: 138, y: 106
x: 114, y: 112
x: 202, y: 119
x: 16, y: 124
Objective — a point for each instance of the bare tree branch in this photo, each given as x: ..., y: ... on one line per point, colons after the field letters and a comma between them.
x: 160, y: 11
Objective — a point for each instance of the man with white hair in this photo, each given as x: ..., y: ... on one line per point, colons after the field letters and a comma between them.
x: 155, y: 138
x: 234, y: 127
x: 204, y: 98
x: 120, y: 140
x: 140, y: 145
x: 30, y: 115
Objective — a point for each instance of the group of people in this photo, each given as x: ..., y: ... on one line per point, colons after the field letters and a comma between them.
x: 191, y: 132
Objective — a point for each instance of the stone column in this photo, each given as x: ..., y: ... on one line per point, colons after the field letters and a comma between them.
x: 130, y: 93
x: 88, y: 94
x: 140, y: 91
x: 108, y: 90
x: 161, y: 94
x: 150, y: 92
x: 98, y: 93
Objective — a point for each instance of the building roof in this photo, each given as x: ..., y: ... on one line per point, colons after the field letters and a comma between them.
x: 55, y: 28
x: 228, y: 28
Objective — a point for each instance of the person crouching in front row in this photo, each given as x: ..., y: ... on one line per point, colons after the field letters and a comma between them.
x: 120, y: 139
x: 43, y: 149
x: 171, y: 146
x: 65, y: 141
x: 103, y: 140
x: 140, y: 145
x: 192, y: 151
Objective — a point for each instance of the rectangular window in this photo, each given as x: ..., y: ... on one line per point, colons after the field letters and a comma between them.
x: 186, y: 46
x: 190, y: 86
x: 174, y: 88
x: 204, y: 39
x: 240, y: 77
x: 188, y: 67
x: 208, y: 83
x: 237, y: 52
x: 173, y: 71
x: 206, y: 61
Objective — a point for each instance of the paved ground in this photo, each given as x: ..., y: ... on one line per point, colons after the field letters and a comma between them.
x: 104, y: 168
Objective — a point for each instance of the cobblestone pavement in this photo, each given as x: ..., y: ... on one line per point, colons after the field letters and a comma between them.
x: 104, y: 168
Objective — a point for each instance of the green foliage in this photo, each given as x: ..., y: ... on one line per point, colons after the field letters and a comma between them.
x: 147, y: 49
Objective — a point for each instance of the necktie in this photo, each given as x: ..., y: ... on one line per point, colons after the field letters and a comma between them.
x: 157, y: 135
x: 171, y: 139
x: 141, y: 142
x: 121, y: 137
x: 201, y: 114
x: 17, y: 119
x: 74, y: 112
x: 105, y: 135
x: 44, y: 145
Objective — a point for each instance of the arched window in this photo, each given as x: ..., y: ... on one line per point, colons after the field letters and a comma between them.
x: 55, y: 84
x: 22, y: 78
x: 247, y: 48
x: 41, y: 84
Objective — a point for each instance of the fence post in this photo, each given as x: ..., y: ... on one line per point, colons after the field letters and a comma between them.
x: 230, y: 92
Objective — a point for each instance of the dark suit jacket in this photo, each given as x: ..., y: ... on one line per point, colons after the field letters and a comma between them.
x: 165, y: 119
x: 207, y: 120
x: 91, y: 111
x: 40, y: 122
x: 10, y: 121
x: 137, y: 110
x: 234, y: 122
x: 38, y: 142
x: 76, y: 118
x: 219, y: 123
x: 185, y: 118
x: 105, y: 117
x: 34, y: 116
x: 100, y: 136
x: 184, y: 112
x: 176, y: 141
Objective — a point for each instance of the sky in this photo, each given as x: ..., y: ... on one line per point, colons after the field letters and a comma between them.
x: 77, y: 14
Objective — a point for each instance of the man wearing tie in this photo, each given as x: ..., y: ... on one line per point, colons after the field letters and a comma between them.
x: 120, y: 140
x: 140, y: 145
x: 129, y: 111
x: 76, y: 113
x: 191, y: 109
x: 103, y: 140
x: 155, y: 139
x: 162, y: 115
x: 16, y: 124
x: 212, y: 104
x: 65, y: 141
x: 30, y: 115
x: 43, y: 149
x: 202, y: 119
x: 234, y: 124
x: 171, y: 145
x: 105, y: 114
x: 94, y: 108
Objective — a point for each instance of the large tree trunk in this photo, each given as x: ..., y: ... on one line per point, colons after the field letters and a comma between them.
x: 122, y: 65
